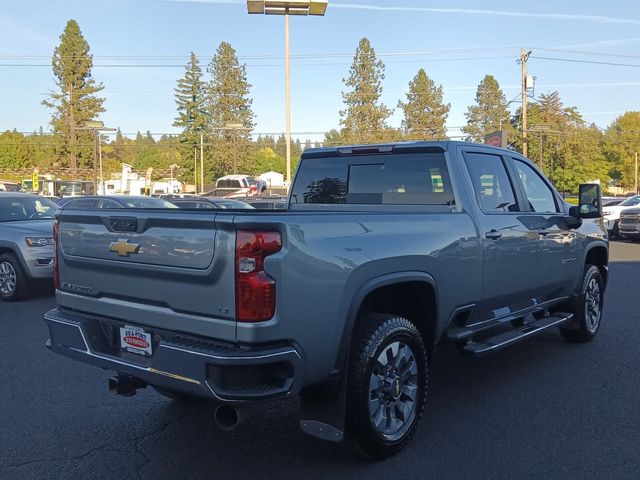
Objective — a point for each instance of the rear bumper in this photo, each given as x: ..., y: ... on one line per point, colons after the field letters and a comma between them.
x: 196, y: 366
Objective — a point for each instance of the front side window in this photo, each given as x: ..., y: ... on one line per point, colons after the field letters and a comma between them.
x: 539, y: 195
x: 491, y: 183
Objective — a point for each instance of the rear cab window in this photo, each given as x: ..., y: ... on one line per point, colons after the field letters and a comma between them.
x: 395, y: 179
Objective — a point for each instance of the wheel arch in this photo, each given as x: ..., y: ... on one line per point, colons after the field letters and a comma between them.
x: 598, y: 255
x: 10, y: 247
x: 383, y: 288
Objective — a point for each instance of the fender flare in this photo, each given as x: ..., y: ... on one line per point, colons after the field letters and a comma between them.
x: 13, y: 248
x: 598, y: 244
x: 362, y: 292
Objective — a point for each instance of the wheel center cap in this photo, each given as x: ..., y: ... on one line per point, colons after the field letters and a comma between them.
x: 396, y: 388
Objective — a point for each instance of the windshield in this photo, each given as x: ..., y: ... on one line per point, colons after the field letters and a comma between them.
x: 73, y: 188
x: 631, y: 201
x: 13, y: 209
x: 149, y: 202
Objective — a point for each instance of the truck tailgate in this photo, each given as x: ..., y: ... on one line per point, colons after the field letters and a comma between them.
x: 163, y: 268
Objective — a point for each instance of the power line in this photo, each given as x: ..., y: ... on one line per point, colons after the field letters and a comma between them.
x: 582, y: 52
x: 594, y: 62
x: 271, y: 56
x: 305, y: 64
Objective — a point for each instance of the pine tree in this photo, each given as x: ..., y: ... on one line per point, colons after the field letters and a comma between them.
x: 76, y: 102
x: 425, y: 116
x: 551, y: 107
x: 489, y: 114
x: 228, y: 102
x: 364, y: 119
x: 190, y: 101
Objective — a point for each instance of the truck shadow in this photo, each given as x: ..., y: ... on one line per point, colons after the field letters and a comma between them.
x: 464, y: 393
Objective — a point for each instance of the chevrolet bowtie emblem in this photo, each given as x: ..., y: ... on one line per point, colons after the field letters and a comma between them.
x: 123, y: 248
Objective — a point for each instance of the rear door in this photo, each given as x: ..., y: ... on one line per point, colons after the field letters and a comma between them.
x: 510, y: 251
x: 166, y: 268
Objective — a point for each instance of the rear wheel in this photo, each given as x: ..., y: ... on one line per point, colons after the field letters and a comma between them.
x: 386, y: 385
x: 13, y: 281
x: 587, y: 310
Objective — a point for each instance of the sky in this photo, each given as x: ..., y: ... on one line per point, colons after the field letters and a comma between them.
x: 457, y: 43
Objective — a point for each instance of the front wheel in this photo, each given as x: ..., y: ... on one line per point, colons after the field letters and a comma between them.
x: 387, y: 385
x: 587, y: 310
x: 13, y: 282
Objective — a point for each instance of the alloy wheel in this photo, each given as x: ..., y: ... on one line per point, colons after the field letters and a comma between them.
x: 8, y: 278
x: 393, y: 390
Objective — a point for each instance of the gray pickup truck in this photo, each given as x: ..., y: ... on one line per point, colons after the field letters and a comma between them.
x: 383, y: 253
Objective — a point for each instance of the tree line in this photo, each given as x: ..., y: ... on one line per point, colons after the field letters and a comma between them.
x: 214, y: 107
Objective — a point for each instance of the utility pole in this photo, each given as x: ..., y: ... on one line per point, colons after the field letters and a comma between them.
x: 201, y: 163
x: 636, y: 181
x: 524, y: 56
x: 195, y: 167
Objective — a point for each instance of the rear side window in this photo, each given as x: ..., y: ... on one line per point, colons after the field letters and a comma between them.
x: 405, y: 179
x: 491, y: 183
x: 228, y: 183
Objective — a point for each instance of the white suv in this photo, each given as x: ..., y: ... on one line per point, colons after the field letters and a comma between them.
x: 612, y: 213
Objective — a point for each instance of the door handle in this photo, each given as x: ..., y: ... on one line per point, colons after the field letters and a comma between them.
x: 493, y: 235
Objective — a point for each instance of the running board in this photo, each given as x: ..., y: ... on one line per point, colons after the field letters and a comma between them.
x: 491, y: 344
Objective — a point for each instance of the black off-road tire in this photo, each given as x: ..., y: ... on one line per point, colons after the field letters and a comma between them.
x: 615, y: 233
x: 585, y: 326
x: 373, y: 337
x: 20, y: 282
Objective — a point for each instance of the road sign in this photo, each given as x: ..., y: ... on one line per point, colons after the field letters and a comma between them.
x: 34, y: 181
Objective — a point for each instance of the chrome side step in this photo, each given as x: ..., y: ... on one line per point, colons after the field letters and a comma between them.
x: 502, y: 340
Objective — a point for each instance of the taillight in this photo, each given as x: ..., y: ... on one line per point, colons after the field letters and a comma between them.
x: 255, y: 290
x: 56, y: 273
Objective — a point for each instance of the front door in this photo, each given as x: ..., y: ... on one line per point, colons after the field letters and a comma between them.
x: 510, y: 250
x: 558, y: 265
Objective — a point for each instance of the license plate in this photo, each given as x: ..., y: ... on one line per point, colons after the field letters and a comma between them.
x: 135, y: 340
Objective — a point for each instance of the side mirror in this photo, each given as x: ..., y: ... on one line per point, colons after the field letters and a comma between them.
x: 574, y: 220
x: 590, y: 200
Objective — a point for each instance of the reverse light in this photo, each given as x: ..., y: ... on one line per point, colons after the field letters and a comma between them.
x: 255, y: 290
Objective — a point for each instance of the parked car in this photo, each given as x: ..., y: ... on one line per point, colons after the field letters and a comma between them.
x: 629, y: 226
x: 612, y: 213
x: 26, y: 243
x: 210, y: 203
x: 113, y: 201
x: 231, y: 186
x: 174, y: 196
x: 275, y: 202
x: 384, y: 253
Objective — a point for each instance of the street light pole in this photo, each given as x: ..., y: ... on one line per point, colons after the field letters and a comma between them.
x: 96, y: 127
x: 287, y: 8
x: 201, y: 163
x: 287, y: 88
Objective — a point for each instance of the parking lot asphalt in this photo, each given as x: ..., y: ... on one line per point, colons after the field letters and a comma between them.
x: 541, y: 409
